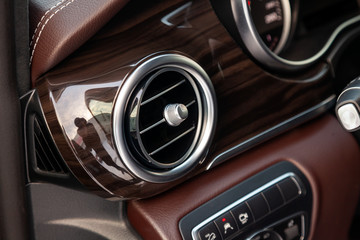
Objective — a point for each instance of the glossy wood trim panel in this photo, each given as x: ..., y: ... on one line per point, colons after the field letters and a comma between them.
x: 327, y: 155
x: 78, y: 95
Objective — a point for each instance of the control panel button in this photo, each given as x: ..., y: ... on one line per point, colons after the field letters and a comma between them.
x: 273, y: 197
x: 291, y: 229
x: 258, y: 206
x: 243, y: 215
x: 289, y: 189
x: 226, y: 225
x: 209, y: 232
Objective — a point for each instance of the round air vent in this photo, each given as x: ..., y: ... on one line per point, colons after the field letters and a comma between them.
x: 164, y: 117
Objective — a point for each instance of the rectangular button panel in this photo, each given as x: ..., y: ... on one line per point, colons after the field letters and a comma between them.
x: 233, y: 219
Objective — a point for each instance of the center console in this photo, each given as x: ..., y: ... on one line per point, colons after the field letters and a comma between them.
x: 274, y: 204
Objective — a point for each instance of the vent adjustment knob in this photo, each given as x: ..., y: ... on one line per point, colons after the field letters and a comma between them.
x: 175, y: 114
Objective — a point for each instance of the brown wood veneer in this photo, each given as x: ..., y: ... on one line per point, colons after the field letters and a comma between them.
x: 249, y: 99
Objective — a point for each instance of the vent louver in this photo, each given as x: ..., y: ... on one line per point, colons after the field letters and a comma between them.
x: 46, y: 156
x: 164, y: 117
x: 153, y: 135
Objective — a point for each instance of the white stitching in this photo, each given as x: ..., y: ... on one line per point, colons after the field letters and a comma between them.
x: 43, y: 26
x: 42, y: 18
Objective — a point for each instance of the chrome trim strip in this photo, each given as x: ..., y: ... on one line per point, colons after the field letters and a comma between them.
x: 195, y: 230
x: 303, y: 227
x: 348, y: 89
x: 297, y: 184
x: 166, y: 19
x: 162, y: 93
x: 267, y: 134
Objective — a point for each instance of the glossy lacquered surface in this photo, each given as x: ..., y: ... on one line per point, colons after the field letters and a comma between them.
x: 78, y: 95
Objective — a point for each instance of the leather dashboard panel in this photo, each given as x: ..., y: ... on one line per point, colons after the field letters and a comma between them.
x: 59, y: 27
x: 321, y: 149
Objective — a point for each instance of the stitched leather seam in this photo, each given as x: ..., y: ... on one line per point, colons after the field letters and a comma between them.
x: 42, y: 18
x: 45, y: 23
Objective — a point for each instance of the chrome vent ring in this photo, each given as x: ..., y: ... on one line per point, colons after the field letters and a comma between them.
x: 164, y: 117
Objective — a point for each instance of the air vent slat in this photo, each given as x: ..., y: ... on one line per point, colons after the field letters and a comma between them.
x: 40, y: 163
x: 46, y: 159
x: 46, y: 150
x: 172, y: 141
x: 163, y: 92
x: 44, y: 145
x: 191, y: 103
x: 41, y: 151
x: 153, y: 126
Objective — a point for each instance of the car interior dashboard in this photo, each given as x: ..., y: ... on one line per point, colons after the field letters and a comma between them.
x: 202, y: 120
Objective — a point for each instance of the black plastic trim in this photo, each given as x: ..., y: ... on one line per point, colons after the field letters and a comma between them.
x: 63, y: 213
x: 301, y: 204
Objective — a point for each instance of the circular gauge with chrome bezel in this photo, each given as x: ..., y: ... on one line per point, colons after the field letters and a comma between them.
x: 272, y: 20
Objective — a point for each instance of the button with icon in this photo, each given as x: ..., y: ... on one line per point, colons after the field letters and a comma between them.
x: 242, y: 215
x: 209, y: 232
x: 226, y: 225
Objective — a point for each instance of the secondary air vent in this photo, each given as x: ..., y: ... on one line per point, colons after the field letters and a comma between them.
x: 46, y: 157
x: 164, y: 117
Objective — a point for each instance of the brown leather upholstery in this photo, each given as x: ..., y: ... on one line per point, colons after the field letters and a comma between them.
x: 329, y: 157
x: 59, y: 27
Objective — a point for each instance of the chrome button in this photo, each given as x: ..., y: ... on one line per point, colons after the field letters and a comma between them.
x: 175, y: 114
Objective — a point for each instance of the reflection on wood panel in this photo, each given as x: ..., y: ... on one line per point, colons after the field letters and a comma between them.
x: 85, y: 85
